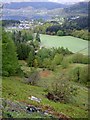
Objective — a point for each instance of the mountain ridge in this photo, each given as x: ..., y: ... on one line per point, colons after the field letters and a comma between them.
x: 36, y: 5
x: 44, y: 10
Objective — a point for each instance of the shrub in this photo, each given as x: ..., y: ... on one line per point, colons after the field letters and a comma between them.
x: 75, y: 74
x: 60, y: 33
x: 65, y: 63
x: 23, y: 51
x: 62, y: 91
x: 80, y: 58
x: 33, y: 78
x: 84, y: 75
x: 80, y: 74
x: 57, y: 59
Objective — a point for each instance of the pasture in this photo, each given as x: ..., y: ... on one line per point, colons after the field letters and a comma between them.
x: 72, y: 43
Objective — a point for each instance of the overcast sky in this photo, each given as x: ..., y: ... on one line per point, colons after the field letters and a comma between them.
x: 59, y: 1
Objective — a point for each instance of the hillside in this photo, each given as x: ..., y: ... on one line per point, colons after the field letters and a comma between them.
x: 56, y: 79
x: 17, y: 102
x: 45, y: 61
x: 78, y: 8
x: 35, y: 5
x: 36, y: 10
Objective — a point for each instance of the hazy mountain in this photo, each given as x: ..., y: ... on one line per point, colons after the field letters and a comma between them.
x: 45, y: 10
x: 35, y: 5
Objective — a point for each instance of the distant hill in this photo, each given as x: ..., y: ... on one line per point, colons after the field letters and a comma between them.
x: 35, y: 5
x: 81, y: 7
x: 44, y: 10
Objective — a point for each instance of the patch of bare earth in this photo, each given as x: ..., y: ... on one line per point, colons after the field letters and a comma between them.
x: 45, y: 73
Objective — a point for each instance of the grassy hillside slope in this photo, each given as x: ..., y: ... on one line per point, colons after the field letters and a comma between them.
x: 15, y: 89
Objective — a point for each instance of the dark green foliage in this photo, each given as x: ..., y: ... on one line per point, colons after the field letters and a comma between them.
x: 38, y: 37
x: 23, y: 51
x: 81, y: 34
x: 76, y: 23
x: 57, y: 59
x: 47, y: 63
x: 39, y: 61
x: 21, y: 39
x: 76, y: 74
x: 80, y: 74
x: 16, y: 36
x: 60, y: 33
x: 49, y: 58
x: 80, y: 58
x: 62, y: 51
x: 29, y: 36
x: 82, y: 22
x: 42, y: 28
x: 36, y: 45
x: 84, y: 75
x: 44, y: 53
x: 65, y: 63
x: 77, y: 27
x: 6, y: 23
x: 9, y: 56
x: 31, y: 57
x: 53, y: 28
x: 22, y: 36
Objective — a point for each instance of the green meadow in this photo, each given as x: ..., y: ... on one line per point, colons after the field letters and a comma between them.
x: 72, y: 43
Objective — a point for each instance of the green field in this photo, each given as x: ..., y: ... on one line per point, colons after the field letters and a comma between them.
x: 72, y: 43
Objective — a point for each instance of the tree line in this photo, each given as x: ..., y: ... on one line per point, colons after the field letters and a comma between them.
x: 77, y: 28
